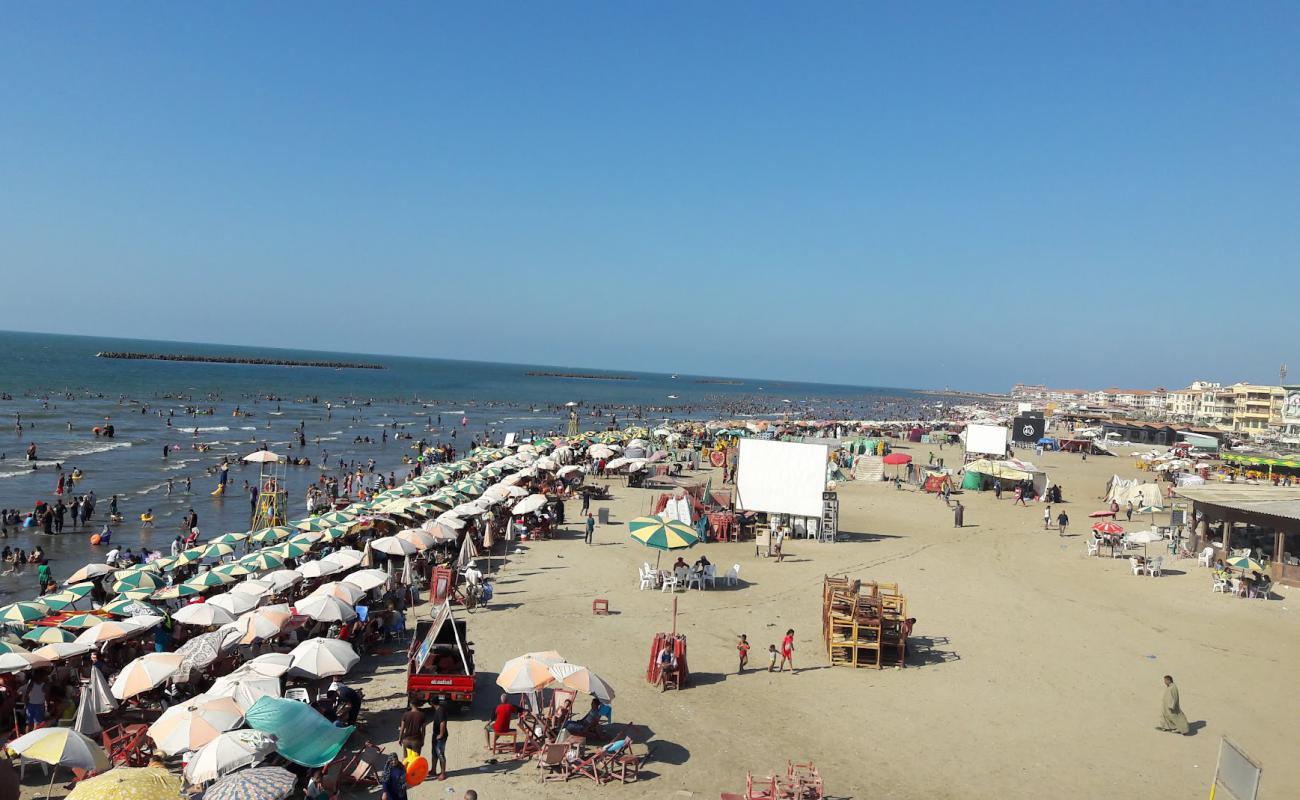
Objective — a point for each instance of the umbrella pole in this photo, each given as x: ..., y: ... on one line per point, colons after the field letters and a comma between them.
x: 54, y: 769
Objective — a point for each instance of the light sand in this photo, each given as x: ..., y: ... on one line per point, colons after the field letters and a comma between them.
x: 1036, y: 670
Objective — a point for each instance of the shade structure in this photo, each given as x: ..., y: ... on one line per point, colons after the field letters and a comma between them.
x: 47, y: 634
x: 319, y: 569
x: 129, y: 783
x: 177, y: 591
x: 1109, y: 528
x: 79, y: 622
x: 230, y: 751
x: 217, y: 550
x: 233, y: 603
x: 245, y: 689
x: 261, y: 457
x: 418, y: 538
x: 302, y: 735
x: 325, y: 608
x: 109, y: 631
x: 366, y: 579
x: 19, y: 661
x: 57, y: 651
x: 322, y: 658
x: 439, y: 532
x: 581, y: 679
x: 137, y: 579
x: 271, y: 665
x: 263, y: 560
x: 288, y: 550
x: 272, y: 534
x: 253, y: 587
x: 62, y: 747
x: 209, y: 580
x: 1245, y: 564
x: 529, y: 504
x: 347, y: 557
x: 600, y: 451
x: 528, y: 673
x: 662, y: 534
x: 187, y: 557
x: 201, y: 651
x: 203, y: 614
x: 282, y: 579
x: 234, y: 570
x: 342, y: 590
x: 896, y: 459
x: 256, y: 626
x: 195, y: 723
x: 67, y: 600
x: 393, y: 546
x: 127, y: 606
x: 229, y: 538
x: 90, y: 572
x: 24, y: 612
x: 145, y: 673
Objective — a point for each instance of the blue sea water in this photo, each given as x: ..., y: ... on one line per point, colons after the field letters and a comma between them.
x: 60, y: 391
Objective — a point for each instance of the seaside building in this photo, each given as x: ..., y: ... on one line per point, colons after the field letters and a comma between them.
x: 1256, y: 408
x: 1265, y: 519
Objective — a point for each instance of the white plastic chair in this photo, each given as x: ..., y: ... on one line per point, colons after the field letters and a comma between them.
x: 733, y: 575
x: 670, y: 583
x: 297, y: 693
x: 1094, y: 547
x: 1220, y: 585
x: 1136, y: 567
x: 647, y: 579
x: 1154, y: 567
x: 695, y: 578
x: 711, y: 575
x: 1206, y: 557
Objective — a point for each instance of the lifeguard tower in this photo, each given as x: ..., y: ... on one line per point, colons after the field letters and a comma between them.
x: 272, y: 505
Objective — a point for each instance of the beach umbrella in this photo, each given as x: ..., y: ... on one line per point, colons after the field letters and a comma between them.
x: 581, y: 679
x: 289, y: 550
x: 129, y: 783
x: 6, y: 647
x: 203, y: 614
x: 334, y: 533
x: 229, y: 538
x: 270, y: 665
x: 144, y: 673
x: 310, y: 524
x: 47, y: 634
x: 24, y: 611
x: 255, y: 587
x: 347, y: 557
x: 1108, y: 528
x: 137, y: 579
x: 529, y: 504
x: 233, y: 603
x: 257, y: 625
x: 187, y: 557
x: 201, y: 651
x: 896, y: 459
x: 272, y: 534
x: 235, y: 570
x: 79, y: 622
x: 439, y: 532
x: 161, y: 564
x: 245, y: 689
x: 1144, y: 538
x: 57, y: 651
x: 326, y: 608
x: 417, y: 538
x: 261, y: 783
x: 89, y: 573
x: 341, y: 590
x: 21, y: 661
x: 1245, y: 564
x: 366, y: 579
x: 322, y: 658
x: 263, y: 560
x: 338, y: 517
x: 450, y: 521
x: 1103, y: 513
x: 319, y: 569
x: 662, y: 535
x: 209, y: 580
x: 393, y: 546
x: 61, y: 747
x: 307, y: 537
x: 530, y: 672
x: 282, y: 579
x: 109, y: 631
x: 177, y: 591
x: 261, y: 457
x: 67, y: 600
x: 195, y: 723
x: 126, y: 606
x: 228, y: 752
x: 86, y: 719
x: 217, y: 550
x: 600, y: 451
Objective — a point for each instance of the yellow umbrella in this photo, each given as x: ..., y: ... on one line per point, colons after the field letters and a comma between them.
x: 61, y: 747
x: 129, y: 783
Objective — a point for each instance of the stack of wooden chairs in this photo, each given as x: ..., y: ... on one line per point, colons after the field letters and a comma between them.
x: 801, y: 781
x: 864, y: 624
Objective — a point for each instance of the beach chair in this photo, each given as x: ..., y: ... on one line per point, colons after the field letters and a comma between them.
x: 1094, y: 547
x: 670, y: 582
x: 1135, y: 566
x: 594, y: 766
x: 761, y: 790
x: 533, y: 733
x: 1220, y: 584
x: 506, y: 743
x: 363, y: 768
x: 1154, y: 566
x: 1264, y: 591
x: 646, y: 579
x: 733, y: 575
x: 1206, y: 557
x: 626, y: 766
x: 695, y: 578
x: 551, y: 763
x: 711, y: 576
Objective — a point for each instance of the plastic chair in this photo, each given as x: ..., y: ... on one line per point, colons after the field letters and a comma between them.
x: 1137, y: 568
x: 1206, y: 557
x: 606, y: 713
x: 695, y: 578
x: 733, y: 575
x: 1153, y: 567
x: 647, y: 580
x: 1094, y: 547
x: 711, y: 575
x: 670, y: 583
x: 1220, y: 585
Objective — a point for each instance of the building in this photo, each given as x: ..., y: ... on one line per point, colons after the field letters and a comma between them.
x: 1137, y: 432
x: 1256, y: 408
x: 1265, y: 519
x: 1291, y: 414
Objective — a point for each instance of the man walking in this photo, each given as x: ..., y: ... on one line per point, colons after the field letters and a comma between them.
x: 1047, y: 518
x: 1062, y: 522
x: 438, y: 761
x: 958, y: 515
x: 591, y: 526
x: 1172, y: 718
x: 586, y: 502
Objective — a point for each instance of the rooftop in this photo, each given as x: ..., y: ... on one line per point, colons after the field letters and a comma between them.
x: 1275, y: 501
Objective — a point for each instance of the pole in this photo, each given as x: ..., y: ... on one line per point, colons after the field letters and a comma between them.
x: 54, y: 768
x: 674, y: 616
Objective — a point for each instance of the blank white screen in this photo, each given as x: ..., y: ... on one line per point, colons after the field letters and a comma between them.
x: 781, y: 477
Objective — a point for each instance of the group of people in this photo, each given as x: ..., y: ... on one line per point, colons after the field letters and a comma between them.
x: 51, y: 519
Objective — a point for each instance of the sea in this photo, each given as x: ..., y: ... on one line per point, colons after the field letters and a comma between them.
x: 55, y: 391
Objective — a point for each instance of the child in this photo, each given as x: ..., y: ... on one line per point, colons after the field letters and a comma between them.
x: 743, y: 647
x: 771, y: 658
x: 787, y: 651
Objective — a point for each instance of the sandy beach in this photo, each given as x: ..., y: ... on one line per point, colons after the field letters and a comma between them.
x: 1033, y: 668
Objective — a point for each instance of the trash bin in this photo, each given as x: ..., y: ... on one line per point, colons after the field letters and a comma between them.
x: 602, y: 516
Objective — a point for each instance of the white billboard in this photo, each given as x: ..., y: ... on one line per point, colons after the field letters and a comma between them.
x: 781, y: 477
x: 989, y: 440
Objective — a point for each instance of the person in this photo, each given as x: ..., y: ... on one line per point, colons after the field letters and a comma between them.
x: 1047, y: 517
x: 1172, y: 717
x: 589, y: 724
x: 958, y: 515
x: 1062, y: 522
x: 394, y: 783
x: 778, y: 543
x: 742, y: 647
x: 43, y: 576
x: 410, y: 730
x: 438, y: 760
x: 315, y: 786
x: 591, y: 527
x: 787, y: 651
x: 1128, y: 511
x: 771, y: 658
x: 586, y: 503
x: 473, y: 575
x: 667, y: 664
x: 34, y: 698
x: 501, y: 716
x: 112, y: 555
x: 177, y: 545
x: 344, y: 694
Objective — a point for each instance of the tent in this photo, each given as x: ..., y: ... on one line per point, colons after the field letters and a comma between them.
x: 1009, y: 471
x: 935, y: 481
x: 1125, y: 491
x: 302, y: 735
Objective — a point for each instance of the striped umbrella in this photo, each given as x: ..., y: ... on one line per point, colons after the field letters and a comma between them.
x: 235, y: 570
x: 108, y: 631
x: 174, y: 592
x: 209, y: 580
x: 1109, y: 528
x: 48, y: 634
x: 289, y: 550
x: 217, y: 550
x: 136, y: 579
x: 311, y: 524
x: 338, y: 518
x: 273, y: 534
x: 530, y: 672
x: 263, y: 560
x: 194, y: 724
x: 335, y: 533
x: 24, y: 612
x: 256, y: 626
x: 20, y: 661
x: 6, y: 647
x: 128, y: 605
x: 61, y: 747
x: 144, y: 673
x: 581, y: 679
x: 1245, y: 564
x: 187, y: 557
x: 345, y: 591
x: 61, y: 650
x: 662, y: 534
x: 260, y: 783
x: 307, y: 538
x: 129, y: 783
x: 67, y: 600
x: 79, y: 622
x: 229, y: 538
x: 89, y: 573
x: 227, y: 753
x: 203, y: 615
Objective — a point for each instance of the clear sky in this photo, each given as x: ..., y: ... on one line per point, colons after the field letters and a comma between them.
x: 901, y: 194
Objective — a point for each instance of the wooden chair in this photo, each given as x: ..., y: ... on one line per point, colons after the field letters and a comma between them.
x: 506, y: 743
x: 764, y: 790
x: 551, y: 763
x: 626, y: 766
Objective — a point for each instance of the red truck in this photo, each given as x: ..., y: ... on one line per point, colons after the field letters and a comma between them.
x: 441, y: 661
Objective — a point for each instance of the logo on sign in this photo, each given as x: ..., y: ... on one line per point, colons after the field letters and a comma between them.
x: 1028, y: 430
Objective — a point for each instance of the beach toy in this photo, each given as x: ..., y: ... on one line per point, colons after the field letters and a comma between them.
x: 220, y: 490
x: 94, y: 538
x: 417, y: 771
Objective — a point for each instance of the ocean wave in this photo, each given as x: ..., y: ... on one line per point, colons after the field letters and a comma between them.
x: 248, y: 427
x: 89, y: 448
x: 210, y: 428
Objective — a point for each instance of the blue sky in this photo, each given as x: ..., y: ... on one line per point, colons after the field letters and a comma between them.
x: 891, y: 194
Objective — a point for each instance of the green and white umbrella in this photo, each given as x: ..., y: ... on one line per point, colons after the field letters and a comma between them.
x: 235, y: 570
x: 24, y: 612
x: 126, y: 605
x: 209, y: 580
x: 661, y: 534
x: 217, y: 550
x: 272, y: 534
x: 289, y: 550
x: 79, y: 622
x: 229, y: 538
x: 136, y: 579
x: 48, y: 634
x: 263, y: 560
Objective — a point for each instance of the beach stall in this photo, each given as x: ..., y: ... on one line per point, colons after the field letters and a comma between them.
x: 1262, y: 522
x: 981, y: 474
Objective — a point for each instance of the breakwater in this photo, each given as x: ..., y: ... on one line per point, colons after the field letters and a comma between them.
x: 578, y: 376
x: 269, y: 362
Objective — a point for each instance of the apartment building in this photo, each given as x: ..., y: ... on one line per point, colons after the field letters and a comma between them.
x: 1256, y: 408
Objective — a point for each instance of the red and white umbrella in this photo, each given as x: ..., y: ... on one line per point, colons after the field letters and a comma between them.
x: 145, y: 673
x: 194, y: 724
x: 1108, y: 528
x: 528, y: 673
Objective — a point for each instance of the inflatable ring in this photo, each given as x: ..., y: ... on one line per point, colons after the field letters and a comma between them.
x: 717, y: 458
x: 94, y: 538
x: 417, y: 771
